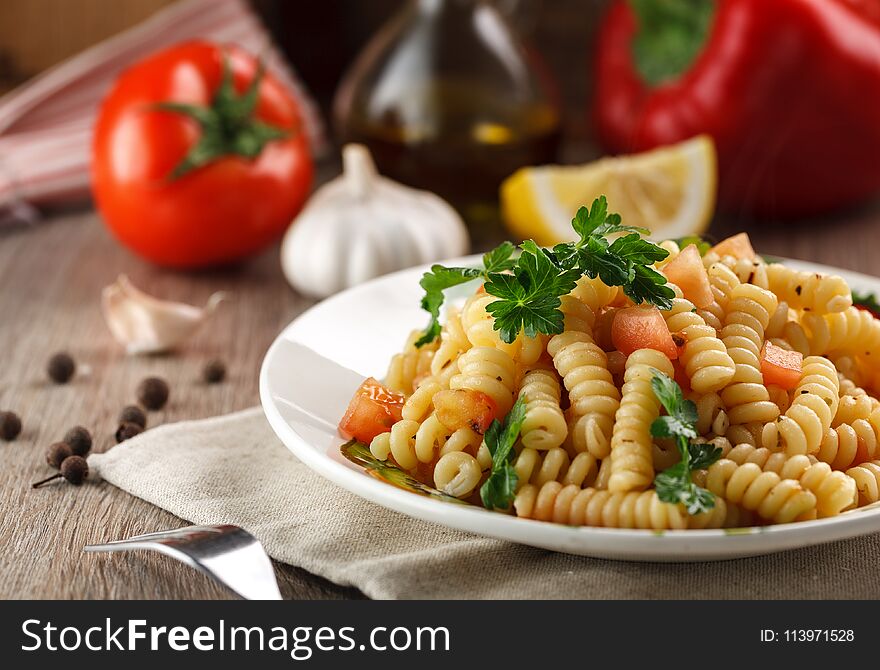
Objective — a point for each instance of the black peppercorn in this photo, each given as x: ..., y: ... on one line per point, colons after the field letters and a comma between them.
x: 80, y: 440
x: 127, y: 430
x: 56, y: 454
x: 152, y: 393
x: 74, y: 469
x: 133, y: 414
x: 61, y: 368
x: 214, y: 372
x: 10, y: 425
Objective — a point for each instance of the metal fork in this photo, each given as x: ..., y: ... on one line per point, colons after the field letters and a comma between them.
x: 229, y: 554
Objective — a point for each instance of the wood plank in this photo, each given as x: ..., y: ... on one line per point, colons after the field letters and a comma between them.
x: 51, y: 279
x: 50, y: 283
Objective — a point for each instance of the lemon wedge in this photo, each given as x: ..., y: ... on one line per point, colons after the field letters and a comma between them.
x: 670, y: 191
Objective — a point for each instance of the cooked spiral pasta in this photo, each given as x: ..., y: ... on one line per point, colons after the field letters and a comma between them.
x: 834, y: 490
x: 544, y: 426
x: 853, y: 331
x: 594, y: 398
x: 409, y: 366
x: 453, y: 342
x: 766, y: 493
x: 747, y: 433
x: 420, y: 403
x: 479, y: 327
x: 632, y: 466
x: 867, y: 479
x: 747, y: 316
x: 722, y: 280
x: 594, y: 293
x: 457, y: 474
x: 711, y: 414
x: 705, y: 357
x: 490, y: 371
x: 748, y: 271
x: 809, y: 291
x: 585, y: 454
x: 411, y: 443
x: 574, y: 506
x: 849, y: 443
x: 808, y: 418
x: 399, y: 443
x: 604, y: 474
x: 538, y: 467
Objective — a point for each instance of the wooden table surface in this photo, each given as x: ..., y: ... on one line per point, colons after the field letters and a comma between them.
x: 50, y: 283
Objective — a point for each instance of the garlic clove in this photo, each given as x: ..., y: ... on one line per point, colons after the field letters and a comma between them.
x: 145, y: 324
x: 362, y: 225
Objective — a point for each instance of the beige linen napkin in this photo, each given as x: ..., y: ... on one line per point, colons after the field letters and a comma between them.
x: 232, y: 469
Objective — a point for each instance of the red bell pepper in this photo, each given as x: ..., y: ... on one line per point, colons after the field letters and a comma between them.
x: 788, y: 89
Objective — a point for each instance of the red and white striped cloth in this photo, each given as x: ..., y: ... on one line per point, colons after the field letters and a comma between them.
x: 46, y: 124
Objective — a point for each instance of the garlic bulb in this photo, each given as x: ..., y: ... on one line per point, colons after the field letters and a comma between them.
x: 144, y: 324
x: 362, y: 225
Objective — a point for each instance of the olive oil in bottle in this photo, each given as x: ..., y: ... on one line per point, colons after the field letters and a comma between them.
x: 448, y: 99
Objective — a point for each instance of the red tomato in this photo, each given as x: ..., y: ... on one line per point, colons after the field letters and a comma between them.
x: 228, y: 208
x: 372, y: 411
x: 688, y: 273
x: 465, y: 408
x: 637, y: 328
x: 681, y: 377
x: 738, y: 246
x: 780, y: 366
x: 602, y: 328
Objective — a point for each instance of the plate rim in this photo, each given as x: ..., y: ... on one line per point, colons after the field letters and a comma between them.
x: 668, y: 545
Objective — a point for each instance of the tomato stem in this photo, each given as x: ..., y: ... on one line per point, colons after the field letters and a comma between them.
x: 228, y: 125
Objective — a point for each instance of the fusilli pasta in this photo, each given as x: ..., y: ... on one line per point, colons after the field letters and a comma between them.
x: 632, y: 465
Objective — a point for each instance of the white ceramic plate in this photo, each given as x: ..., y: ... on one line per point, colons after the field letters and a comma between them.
x: 314, y: 366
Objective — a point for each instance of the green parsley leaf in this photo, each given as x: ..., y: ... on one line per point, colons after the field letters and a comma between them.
x: 499, y: 259
x: 434, y: 283
x: 597, y: 221
x: 649, y: 286
x: 498, y: 491
x: 702, y: 245
x: 702, y: 455
x: 595, y: 261
x: 674, y: 485
x: 529, y: 300
x: 635, y: 249
x: 529, y: 287
x: 868, y: 301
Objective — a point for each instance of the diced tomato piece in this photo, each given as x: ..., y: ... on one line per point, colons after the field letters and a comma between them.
x: 602, y: 328
x: 642, y: 328
x: 738, y: 246
x: 372, y: 411
x: 862, y: 454
x: 687, y: 271
x: 481, y: 288
x: 681, y: 377
x: 617, y: 364
x: 465, y: 408
x: 780, y: 366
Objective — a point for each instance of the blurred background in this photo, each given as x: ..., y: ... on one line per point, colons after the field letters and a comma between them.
x: 320, y: 38
x: 693, y: 117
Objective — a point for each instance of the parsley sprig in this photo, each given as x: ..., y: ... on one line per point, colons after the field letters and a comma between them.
x: 529, y: 287
x: 674, y: 485
x: 441, y: 278
x: 866, y: 301
x: 498, y: 491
